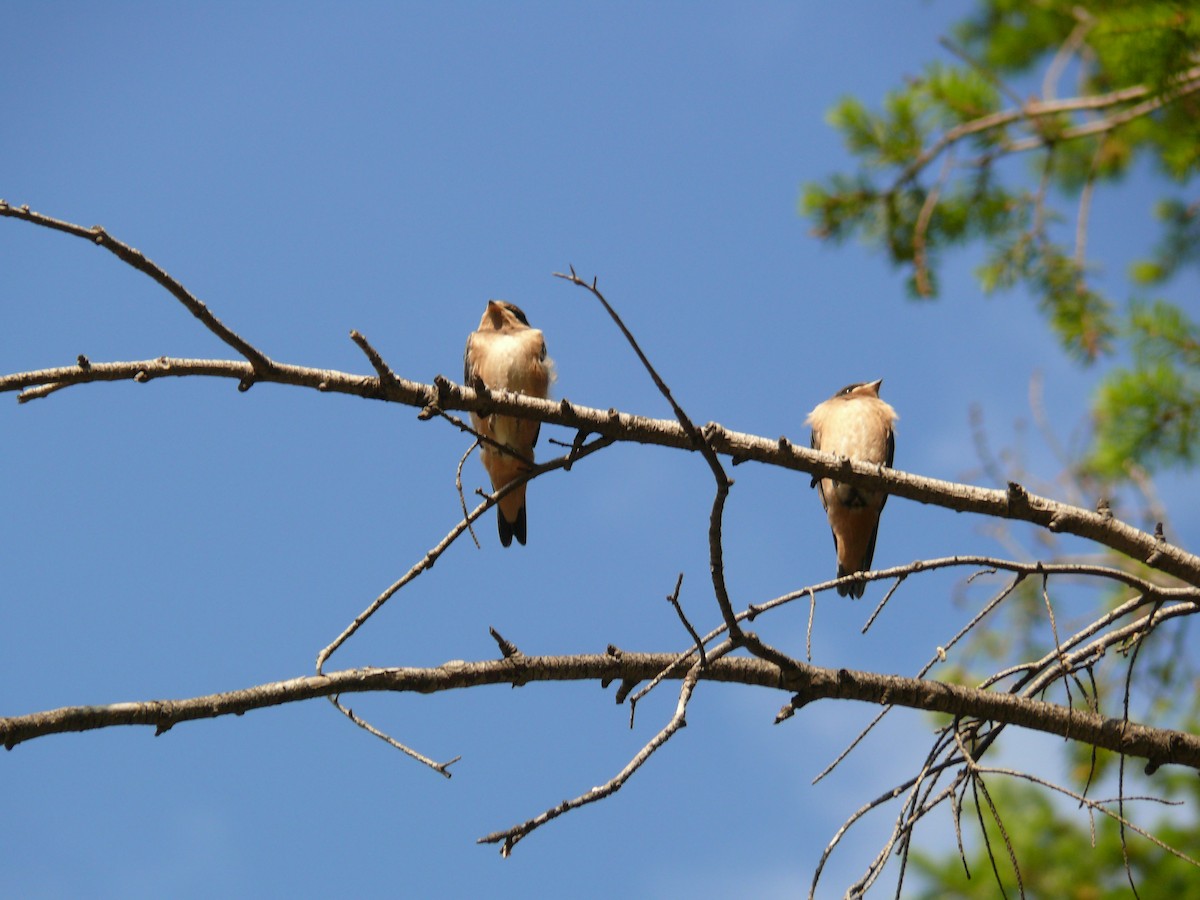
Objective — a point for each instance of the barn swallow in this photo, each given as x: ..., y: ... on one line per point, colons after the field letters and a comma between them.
x: 508, y: 355
x: 854, y: 422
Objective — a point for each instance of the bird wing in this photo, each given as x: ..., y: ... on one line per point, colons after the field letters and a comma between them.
x: 815, y: 443
x: 468, y: 368
x: 537, y: 426
x: 891, y: 454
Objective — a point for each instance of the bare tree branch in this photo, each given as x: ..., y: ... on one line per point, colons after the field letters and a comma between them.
x: 509, y: 837
x: 97, y: 235
x: 426, y: 562
x: 1014, y: 503
x: 699, y: 440
x: 1013, y: 697
x: 440, y: 768
x: 1158, y: 745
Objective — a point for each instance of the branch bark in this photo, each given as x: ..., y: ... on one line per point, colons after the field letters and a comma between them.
x: 971, y: 708
x: 1188, y: 82
x: 1014, y: 503
x: 810, y: 683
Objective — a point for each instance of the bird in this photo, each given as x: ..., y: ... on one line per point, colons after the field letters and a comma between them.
x: 854, y: 423
x: 507, y: 354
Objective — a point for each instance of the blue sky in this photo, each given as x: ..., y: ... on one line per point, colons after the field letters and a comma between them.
x: 306, y: 169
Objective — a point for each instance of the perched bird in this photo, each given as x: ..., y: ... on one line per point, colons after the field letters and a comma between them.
x: 854, y: 422
x: 508, y: 355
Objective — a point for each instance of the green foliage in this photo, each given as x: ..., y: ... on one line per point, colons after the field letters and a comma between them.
x: 954, y: 95
x: 880, y: 139
x: 958, y: 155
x: 929, y: 178
x: 1054, y: 849
x: 1014, y: 34
x: 1150, y: 411
x: 1180, y: 244
x: 1146, y: 42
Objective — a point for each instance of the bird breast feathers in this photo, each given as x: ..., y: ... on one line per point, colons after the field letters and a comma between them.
x: 856, y: 427
x: 514, y: 362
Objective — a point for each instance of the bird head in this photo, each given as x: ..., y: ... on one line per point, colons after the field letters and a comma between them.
x: 501, y: 315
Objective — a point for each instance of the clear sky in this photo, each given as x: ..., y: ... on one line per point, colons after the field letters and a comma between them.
x: 306, y: 169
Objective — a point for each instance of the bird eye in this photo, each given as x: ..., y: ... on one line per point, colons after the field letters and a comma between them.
x: 849, y: 389
x: 516, y: 311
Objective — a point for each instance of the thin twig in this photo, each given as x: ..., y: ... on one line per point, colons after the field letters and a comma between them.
x: 1136, y: 630
x: 904, y: 821
x: 508, y: 649
x: 440, y: 768
x: 921, y: 228
x: 509, y: 837
x: 975, y: 620
x: 702, y: 442
x: 1139, y: 641
x: 858, y: 814
x: 1097, y: 805
x: 858, y: 739
x: 673, y: 599
x: 97, y: 235
x: 42, y: 390
x: 1113, y: 122
x: 1062, y: 660
x: 993, y: 564
x: 883, y: 603
x: 591, y: 287
x: 812, y: 612
x: 1034, y: 110
x: 431, y: 556
x: 1064, y: 53
x: 462, y: 500
x: 977, y: 781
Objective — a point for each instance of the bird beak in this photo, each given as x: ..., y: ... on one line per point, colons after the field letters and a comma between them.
x: 874, y: 385
x: 495, y: 313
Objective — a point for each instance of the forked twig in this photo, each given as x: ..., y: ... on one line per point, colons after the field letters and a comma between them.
x: 673, y: 599
x: 509, y: 837
x: 700, y: 441
x: 938, y: 657
x: 1100, y: 806
x: 431, y: 556
x: 462, y: 500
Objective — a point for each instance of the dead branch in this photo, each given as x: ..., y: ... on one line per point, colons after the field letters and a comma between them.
x: 509, y: 837
x: 979, y: 713
x: 133, y: 257
x: 1014, y: 503
x: 1160, y: 745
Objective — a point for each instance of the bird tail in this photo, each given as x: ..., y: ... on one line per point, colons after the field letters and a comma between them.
x: 510, y: 517
x: 853, y: 589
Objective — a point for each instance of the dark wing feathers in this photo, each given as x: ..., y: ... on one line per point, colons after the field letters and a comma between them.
x: 891, y: 453
x: 468, y: 372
